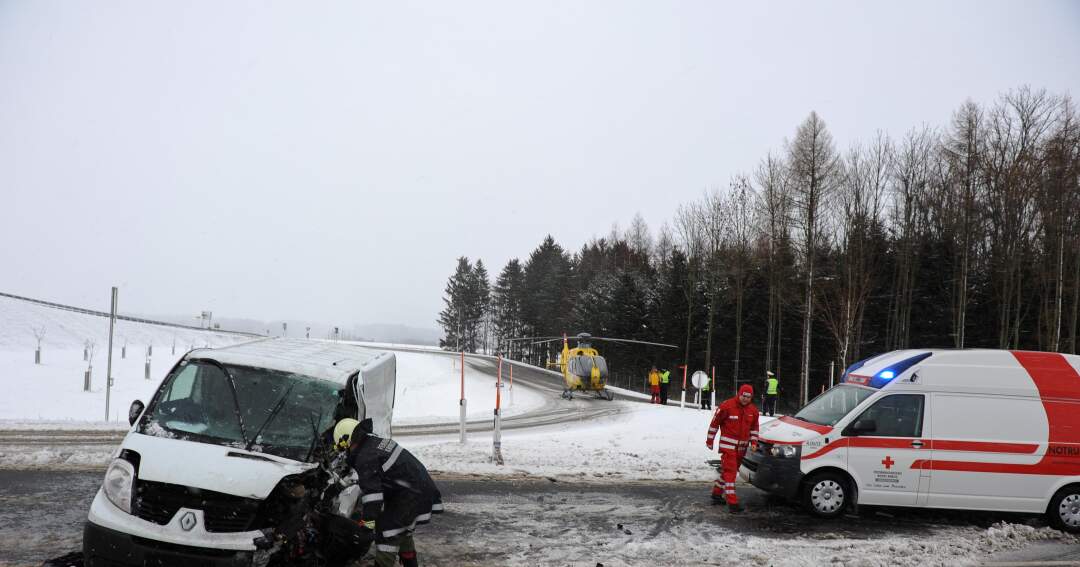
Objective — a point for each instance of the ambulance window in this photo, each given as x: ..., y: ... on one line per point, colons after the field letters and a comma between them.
x: 899, y: 415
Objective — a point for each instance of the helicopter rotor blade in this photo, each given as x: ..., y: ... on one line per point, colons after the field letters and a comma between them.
x: 634, y: 341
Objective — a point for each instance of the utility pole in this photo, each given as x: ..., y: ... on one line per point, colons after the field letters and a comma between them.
x: 108, y: 367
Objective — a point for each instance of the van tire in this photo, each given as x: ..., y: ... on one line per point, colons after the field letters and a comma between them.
x: 827, y: 494
x: 1064, y: 510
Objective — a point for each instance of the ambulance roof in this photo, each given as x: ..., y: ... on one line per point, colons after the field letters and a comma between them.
x: 317, y: 359
x: 1053, y: 374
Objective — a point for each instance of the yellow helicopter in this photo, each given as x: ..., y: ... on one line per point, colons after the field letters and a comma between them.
x: 582, y: 367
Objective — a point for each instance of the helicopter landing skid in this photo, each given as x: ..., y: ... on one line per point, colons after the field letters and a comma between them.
x: 606, y: 394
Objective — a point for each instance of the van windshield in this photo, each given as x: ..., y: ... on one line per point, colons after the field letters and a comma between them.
x: 269, y: 411
x: 833, y: 405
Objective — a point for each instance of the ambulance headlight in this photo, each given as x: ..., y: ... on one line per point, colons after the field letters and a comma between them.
x: 119, y: 483
x: 784, y: 451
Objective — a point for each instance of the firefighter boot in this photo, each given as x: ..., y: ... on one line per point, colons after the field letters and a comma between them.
x: 407, y: 553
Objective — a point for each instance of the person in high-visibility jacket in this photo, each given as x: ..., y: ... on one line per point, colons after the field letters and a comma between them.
x: 772, y: 391
x: 706, y: 393
x: 665, y: 377
x: 654, y: 385
x: 736, y: 420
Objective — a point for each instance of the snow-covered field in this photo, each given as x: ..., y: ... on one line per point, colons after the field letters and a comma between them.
x: 51, y: 394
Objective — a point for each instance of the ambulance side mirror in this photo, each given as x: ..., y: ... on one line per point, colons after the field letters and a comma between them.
x: 860, y: 427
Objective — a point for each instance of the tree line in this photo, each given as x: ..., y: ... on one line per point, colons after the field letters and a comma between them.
x: 958, y: 236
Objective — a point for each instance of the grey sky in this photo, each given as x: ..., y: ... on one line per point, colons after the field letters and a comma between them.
x: 330, y: 161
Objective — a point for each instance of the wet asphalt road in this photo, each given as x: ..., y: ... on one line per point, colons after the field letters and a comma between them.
x: 42, y: 513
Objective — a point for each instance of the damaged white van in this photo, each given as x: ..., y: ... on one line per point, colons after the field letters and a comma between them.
x: 228, y: 451
x: 966, y: 429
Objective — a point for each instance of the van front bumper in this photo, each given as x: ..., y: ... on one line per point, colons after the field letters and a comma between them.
x: 778, y: 475
x: 104, y: 547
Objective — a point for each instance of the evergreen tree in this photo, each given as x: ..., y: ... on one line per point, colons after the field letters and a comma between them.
x: 453, y: 318
x: 507, y: 307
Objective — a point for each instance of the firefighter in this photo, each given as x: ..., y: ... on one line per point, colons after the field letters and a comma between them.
x: 737, y: 422
x: 665, y: 377
x: 772, y: 391
x: 397, y: 493
x: 654, y: 385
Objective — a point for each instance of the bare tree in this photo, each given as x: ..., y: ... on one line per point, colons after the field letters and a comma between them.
x: 689, y: 231
x: 814, y: 170
x: 1015, y: 129
x: 857, y: 228
x: 1058, y: 199
x: 738, y: 244
x: 910, y: 181
x: 774, y: 220
x: 39, y: 334
x: 961, y: 219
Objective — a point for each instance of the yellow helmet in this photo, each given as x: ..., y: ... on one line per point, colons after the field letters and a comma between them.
x: 342, y: 431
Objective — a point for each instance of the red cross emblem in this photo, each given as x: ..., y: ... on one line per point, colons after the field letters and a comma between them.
x: 888, y: 462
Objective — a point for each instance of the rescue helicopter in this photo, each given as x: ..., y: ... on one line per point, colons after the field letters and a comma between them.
x: 582, y: 367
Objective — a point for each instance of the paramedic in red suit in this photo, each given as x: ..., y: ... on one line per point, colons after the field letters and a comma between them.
x: 736, y: 420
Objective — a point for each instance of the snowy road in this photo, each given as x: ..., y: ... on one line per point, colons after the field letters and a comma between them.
x: 514, y: 522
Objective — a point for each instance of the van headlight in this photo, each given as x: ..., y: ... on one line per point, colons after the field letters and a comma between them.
x: 784, y: 451
x: 119, y: 483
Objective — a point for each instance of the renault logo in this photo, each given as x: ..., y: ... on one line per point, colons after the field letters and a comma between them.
x: 187, y: 521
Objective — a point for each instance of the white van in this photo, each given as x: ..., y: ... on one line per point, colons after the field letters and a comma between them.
x: 212, y: 462
x: 967, y: 429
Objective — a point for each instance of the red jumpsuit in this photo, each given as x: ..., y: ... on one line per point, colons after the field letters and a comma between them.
x: 738, y: 428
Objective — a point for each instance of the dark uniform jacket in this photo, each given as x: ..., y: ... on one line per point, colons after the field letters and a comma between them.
x: 397, y: 491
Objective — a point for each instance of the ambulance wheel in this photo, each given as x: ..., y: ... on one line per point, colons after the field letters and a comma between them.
x: 1064, y: 510
x: 826, y: 494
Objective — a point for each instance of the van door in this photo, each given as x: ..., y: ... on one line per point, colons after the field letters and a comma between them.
x: 883, y: 443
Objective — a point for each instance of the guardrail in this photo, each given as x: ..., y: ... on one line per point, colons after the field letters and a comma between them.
x: 122, y: 317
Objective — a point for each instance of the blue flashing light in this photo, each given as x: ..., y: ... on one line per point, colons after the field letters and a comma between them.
x: 886, y: 375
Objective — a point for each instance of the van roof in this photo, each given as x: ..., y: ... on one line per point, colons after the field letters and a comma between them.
x: 990, y: 369
x: 315, y: 358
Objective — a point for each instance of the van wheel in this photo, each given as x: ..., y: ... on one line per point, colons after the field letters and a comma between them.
x: 1064, y: 510
x: 826, y: 494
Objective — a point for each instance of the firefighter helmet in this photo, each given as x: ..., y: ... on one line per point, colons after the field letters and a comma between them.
x: 342, y: 431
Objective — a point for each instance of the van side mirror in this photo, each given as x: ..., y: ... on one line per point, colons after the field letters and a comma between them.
x: 860, y: 427
x: 135, y: 411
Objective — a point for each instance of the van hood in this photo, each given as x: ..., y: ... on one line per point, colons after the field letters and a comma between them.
x: 787, y: 430
x: 210, y: 467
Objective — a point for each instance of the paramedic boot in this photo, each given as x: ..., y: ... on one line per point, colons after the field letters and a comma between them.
x: 717, y: 499
x: 735, y: 508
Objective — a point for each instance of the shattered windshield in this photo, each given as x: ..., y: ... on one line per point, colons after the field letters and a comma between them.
x: 832, y: 406
x: 269, y: 411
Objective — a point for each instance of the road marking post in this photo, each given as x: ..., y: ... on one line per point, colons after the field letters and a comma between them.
x: 682, y: 402
x: 496, y: 443
x: 462, y: 401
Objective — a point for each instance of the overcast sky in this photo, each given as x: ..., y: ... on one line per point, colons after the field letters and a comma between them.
x: 330, y: 161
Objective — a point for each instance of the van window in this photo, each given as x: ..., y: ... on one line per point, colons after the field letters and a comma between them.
x: 899, y: 415
x: 989, y: 418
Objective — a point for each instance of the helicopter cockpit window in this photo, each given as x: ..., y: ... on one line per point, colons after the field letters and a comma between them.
x: 582, y: 366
